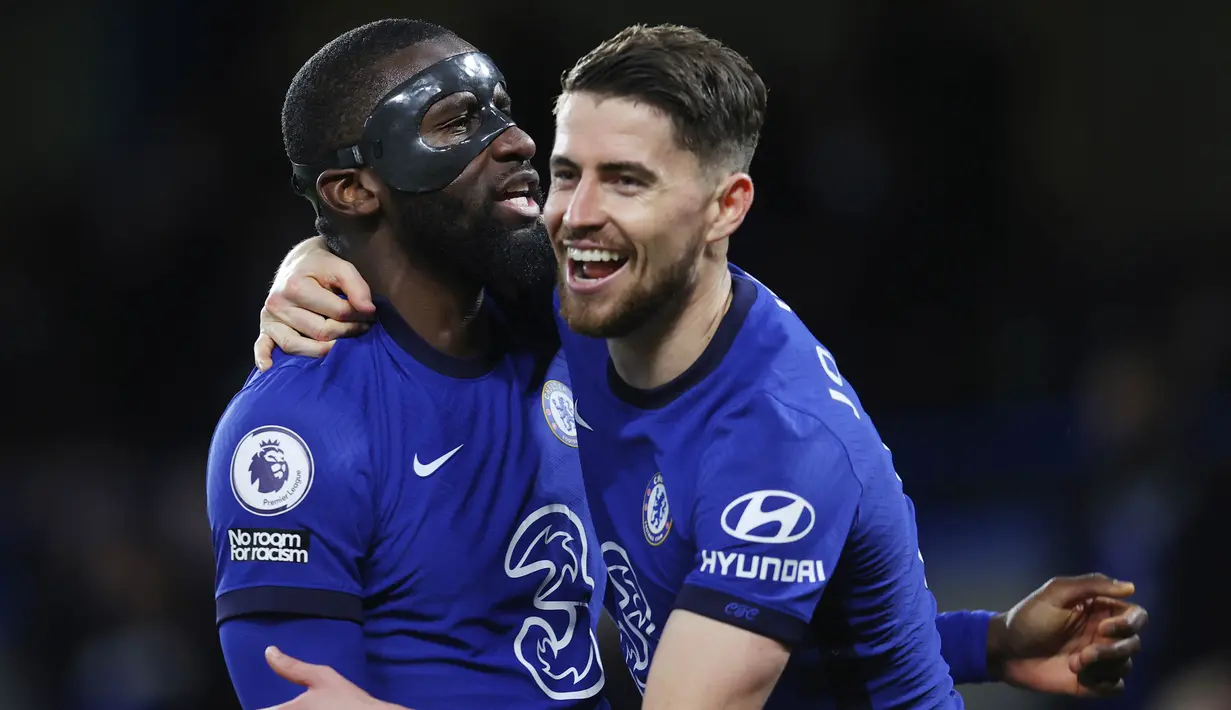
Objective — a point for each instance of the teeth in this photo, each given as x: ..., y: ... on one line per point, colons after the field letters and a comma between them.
x: 592, y: 255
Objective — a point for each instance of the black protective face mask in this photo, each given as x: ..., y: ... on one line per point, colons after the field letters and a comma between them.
x: 393, y: 143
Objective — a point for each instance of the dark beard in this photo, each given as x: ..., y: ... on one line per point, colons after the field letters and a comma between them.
x: 469, y: 243
x: 660, y: 299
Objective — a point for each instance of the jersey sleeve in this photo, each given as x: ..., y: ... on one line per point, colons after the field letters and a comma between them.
x: 326, y: 642
x: 963, y: 643
x: 290, y: 499
x: 772, y: 510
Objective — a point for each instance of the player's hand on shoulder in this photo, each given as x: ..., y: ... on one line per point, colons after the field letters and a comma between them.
x: 326, y: 688
x: 1072, y: 636
x: 303, y: 313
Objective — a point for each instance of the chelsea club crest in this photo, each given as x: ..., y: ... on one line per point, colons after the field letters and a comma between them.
x: 655, y: 512
x: 558, y: 411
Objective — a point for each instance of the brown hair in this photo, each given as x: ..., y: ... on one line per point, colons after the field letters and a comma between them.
x: 715, y: 100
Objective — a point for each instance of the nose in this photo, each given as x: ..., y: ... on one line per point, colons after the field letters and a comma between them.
x: 585, y: 206
x: 514, y: 145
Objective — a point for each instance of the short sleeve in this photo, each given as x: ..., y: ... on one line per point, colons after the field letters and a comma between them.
x: 290, y: 500
x: 774, y: 505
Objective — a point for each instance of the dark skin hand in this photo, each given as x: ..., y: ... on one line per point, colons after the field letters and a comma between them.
x: 1072, y: 636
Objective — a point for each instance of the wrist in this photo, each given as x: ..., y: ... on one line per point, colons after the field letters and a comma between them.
x: 998, y: 651
x: 304, y: 248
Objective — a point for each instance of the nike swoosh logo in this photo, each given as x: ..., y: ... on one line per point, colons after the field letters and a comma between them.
x: 423, y: 470
x: 577, y: 415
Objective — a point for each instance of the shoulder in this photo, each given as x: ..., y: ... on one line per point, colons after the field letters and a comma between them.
x: 788, y: 392
x: 777, y: 355
x: 308, y: 391
x: 766, y: 453
x: 760, y: 424
x: 280, y: 429
x: 810, y: 426
x: 337, y: 386
x: 792, y: 393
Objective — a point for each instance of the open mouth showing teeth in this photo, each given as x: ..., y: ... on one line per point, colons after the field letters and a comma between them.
x: 594, y: 264
x: 521, y: 202
x: 517, y: 197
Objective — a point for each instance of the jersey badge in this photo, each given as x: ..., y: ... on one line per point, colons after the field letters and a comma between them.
x: 559, y: 411
x: 271, y: 471
x: 655, y: 512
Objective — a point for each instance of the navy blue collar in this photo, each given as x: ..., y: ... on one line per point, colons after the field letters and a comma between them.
x: 419, y: 349
x: 744, y: 294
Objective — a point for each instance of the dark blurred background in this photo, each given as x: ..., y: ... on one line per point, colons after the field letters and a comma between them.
x: 1008, y: 220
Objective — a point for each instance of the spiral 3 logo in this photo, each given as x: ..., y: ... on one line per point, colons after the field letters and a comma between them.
x: 557, y: 646
x: 635, y: 621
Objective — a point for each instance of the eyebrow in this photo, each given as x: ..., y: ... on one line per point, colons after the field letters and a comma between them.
x: 454, y: 102
x: 640, y: 170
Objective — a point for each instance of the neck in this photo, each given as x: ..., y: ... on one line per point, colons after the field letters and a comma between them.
x: 443, y: 311
x: 668, y: 345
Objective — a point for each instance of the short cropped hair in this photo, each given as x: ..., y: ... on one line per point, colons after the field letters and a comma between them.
x: 331, y: 96
x: 714, y: 98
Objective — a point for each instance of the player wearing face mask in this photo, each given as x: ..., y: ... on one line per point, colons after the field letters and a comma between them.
x: 409, y: 510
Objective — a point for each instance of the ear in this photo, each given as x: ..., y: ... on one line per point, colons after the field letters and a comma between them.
x: 732, y: 200
x: 350, y: 192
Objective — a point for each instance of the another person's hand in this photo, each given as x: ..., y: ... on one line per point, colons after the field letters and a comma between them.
x: 304, y: 313
x: 326, y: 689
x: 1072, y: 636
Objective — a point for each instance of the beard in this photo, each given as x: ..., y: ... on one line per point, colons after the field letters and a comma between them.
x: 660, y: 295
x: 467, y: 241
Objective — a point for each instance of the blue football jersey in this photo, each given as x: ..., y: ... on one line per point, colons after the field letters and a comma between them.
x: 754, y: 490
x: 437, y: 502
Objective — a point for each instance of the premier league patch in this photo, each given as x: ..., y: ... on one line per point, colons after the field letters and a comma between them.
x: 271, y: 471
x: 558, y: 411
x: 655, y: 512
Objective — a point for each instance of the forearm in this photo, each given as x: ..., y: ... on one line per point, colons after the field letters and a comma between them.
x: 330, y: 642
x: 964, y: 642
